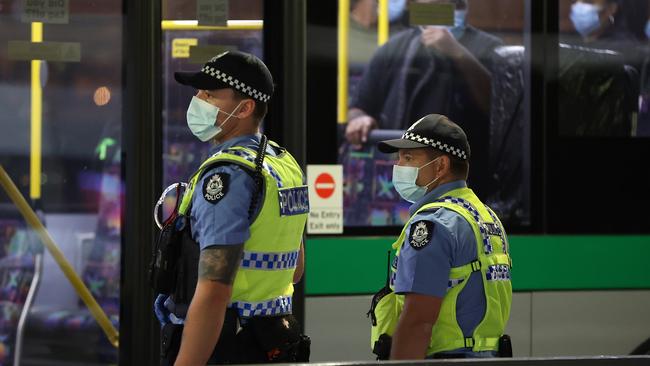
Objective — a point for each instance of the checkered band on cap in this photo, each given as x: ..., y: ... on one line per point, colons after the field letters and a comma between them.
x: 461, y: 154
x: 235, y: 83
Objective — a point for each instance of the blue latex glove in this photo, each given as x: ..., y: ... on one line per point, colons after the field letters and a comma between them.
x: 160, y: 310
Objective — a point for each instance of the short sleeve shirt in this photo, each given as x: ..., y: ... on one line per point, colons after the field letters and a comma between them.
x: 435, y: 242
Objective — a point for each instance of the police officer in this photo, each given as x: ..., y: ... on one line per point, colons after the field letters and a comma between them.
x: 449, y: 292
x: 243, y: 216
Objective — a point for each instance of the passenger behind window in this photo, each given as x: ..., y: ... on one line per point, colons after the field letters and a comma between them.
x: 364, y: 33
x: 616, y: 25
x: 424, y: 70
x: 599, y: 70
x: 643, y: 128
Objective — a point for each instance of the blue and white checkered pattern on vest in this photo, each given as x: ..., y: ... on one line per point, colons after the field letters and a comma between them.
x: 453, y: 282
x: 486, y: 229
x: 498, y: 272
x: 277, y: 306
x: 270, y: 261
x: 504, y: 240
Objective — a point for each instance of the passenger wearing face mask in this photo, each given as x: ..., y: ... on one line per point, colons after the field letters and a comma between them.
x: 239, y: 229
x: 423, y: 70
x: 612, y: 24
x: 363, y: 28
x: 449, y: 292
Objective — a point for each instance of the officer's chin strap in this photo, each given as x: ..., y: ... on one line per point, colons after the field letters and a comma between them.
x: 259, y: 179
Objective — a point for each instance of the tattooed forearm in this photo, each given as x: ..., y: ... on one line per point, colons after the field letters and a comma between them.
x: 220, y: 263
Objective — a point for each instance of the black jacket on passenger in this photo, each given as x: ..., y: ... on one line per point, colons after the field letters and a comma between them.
x: 405, y: 81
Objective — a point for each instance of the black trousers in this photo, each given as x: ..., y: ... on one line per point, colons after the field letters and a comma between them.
x: 260, y: 340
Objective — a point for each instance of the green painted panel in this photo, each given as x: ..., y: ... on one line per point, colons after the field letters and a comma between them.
x: 357, y: 265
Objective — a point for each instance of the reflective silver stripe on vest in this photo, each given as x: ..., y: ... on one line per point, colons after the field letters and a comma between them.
x: 278, y: 306
x: 498, y: 272
x: 501, y: 234
x: 251, y: 158
x: 270, y: 261
x: 486, y: 229
x: 453, y: 282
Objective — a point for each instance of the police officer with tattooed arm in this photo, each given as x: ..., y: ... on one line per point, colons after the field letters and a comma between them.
x: 448, y: 291
x: 226, y: 260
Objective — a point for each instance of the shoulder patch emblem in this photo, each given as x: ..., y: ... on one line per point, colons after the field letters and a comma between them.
x: 215, y: 187
x: 420, y: 234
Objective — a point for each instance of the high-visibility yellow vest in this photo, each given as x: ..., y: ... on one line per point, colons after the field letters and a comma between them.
x: 264, y: 282
x: 493, y: 263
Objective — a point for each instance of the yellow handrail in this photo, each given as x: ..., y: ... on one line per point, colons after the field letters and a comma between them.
x: 343, y: 43
x: 194, y: 25
x: 79, y: 286
x: 382, y: 24
x: 36, y: 119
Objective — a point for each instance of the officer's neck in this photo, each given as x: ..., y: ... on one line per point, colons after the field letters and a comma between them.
x: 244, y: 128
x: 443, y: 180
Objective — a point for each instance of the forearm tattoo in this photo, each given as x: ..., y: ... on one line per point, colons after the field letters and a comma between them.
x: 220, y: 263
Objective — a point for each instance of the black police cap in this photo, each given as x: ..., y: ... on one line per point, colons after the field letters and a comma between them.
x: 433, y: 130
x: 235, y: 70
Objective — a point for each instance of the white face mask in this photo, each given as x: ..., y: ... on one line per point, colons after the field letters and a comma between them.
x: 202, y: 118
x: 404, y: 178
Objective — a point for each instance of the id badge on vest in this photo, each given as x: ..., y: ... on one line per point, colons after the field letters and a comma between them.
x: 294, y: 201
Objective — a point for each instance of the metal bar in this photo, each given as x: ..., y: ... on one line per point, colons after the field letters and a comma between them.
x: 294, y: 104
x: 524, y: 361
x: 343, y: 44
x: 383, y: 25
x: 36, y: 117
x: 193, y: 25
x: 286, y: 58
x: 73, y: 278
x: 20, y: 332
x: 142, y: 174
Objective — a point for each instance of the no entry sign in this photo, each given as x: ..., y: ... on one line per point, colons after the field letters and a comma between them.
x: 324, y: 185
x: 325, y: 199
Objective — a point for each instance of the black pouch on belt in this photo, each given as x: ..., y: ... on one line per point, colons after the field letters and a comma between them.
x: 279, y: 338
x: 163, y: 266
x: 165, y: 252
x: 505, y: 346
x: 170, y: 343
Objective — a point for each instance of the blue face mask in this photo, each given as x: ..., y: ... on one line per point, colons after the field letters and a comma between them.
x: 585, y: 18
x: 202, y: 119
x: 459, y: 18
x: 404, y: 178
x: 395, y: 9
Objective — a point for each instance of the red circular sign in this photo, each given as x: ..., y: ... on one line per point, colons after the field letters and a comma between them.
x: 324, y: 185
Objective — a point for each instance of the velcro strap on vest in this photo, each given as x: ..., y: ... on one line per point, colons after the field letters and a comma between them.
x: 476, y: 265
x: 270, y: 261
x: 491, y: 260
x: 486, y: 344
